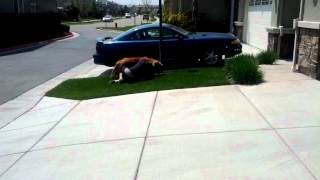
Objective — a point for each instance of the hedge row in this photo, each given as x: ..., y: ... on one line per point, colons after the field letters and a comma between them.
x: 19, y: 29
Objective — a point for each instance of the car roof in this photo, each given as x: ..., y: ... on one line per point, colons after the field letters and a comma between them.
x: 145, y: 26
x: 151, y: 26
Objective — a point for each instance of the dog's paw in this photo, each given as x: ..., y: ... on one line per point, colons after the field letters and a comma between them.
x: 116, y: 82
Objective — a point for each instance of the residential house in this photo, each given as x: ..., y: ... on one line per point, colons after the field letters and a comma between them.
x: 268, y: 24
x: 28, y: 6
x: 307, y: 43
x: 289, y: 27
x: 265, y: 24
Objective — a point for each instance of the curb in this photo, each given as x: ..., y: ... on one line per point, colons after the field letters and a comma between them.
x: 32, y: 46
x: 19, y: 105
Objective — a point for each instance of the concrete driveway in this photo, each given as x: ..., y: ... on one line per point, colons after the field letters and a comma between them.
x: 268, y: 131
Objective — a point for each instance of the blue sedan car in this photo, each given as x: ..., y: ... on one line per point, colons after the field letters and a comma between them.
x: 178, y: 45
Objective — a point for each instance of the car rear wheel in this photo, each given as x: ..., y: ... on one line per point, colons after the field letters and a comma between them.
x: 211, y: 57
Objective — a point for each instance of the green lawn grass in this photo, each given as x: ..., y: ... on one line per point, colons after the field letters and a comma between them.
x: 89, y: 88
x: 69, y: 23
x: 126, y: 28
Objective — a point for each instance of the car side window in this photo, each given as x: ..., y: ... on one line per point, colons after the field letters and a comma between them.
x: 169, y: 34
x: 136, y: 36
x: 154, y: 34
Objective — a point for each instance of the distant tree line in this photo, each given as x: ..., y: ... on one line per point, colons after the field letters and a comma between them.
x: 75, y: 9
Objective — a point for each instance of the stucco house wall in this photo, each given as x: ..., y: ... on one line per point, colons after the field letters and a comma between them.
x: 7, y: 6
x: 311, y: 10
x: 217, y: 10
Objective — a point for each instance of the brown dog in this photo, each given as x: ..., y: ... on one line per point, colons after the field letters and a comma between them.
x: 135, y: 68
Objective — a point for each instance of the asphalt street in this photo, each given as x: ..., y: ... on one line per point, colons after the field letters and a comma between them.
x: 123, y: 22
x: 23, y: 71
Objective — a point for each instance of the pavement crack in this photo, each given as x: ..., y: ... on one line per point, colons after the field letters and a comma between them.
x: 28, y: 110
x: 277, y: 134
x: 146, y: 136
x: 40, y: 139
x: 85, y: 143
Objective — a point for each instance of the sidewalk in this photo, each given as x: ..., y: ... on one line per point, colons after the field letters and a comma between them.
x: 267, y: 131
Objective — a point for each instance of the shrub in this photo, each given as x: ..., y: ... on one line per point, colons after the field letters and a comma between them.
x: 64, y: 28
x: 267, y: 57
x: 181, y: 20
x: 26, y: 28
x: 244, y: 69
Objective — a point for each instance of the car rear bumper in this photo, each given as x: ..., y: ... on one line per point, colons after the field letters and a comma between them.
x: 101, y: 60
x: 234, y: 51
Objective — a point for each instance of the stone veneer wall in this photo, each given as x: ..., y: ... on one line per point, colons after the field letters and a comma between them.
x: 309, y: 52
x: 273, y: 41
x: 287, y: 42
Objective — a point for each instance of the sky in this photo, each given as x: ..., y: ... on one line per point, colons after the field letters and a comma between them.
x: 133, y: 2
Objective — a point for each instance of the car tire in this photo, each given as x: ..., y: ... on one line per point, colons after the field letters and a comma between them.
x: 211, y: 57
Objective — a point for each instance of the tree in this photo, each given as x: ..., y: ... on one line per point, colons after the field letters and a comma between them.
x: 146, y: 4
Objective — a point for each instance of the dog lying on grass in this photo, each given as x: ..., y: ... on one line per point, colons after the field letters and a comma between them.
x: 135, y: 69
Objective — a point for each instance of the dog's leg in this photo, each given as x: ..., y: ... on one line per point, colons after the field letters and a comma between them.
x: 115, y: 71
x: 120, y: 80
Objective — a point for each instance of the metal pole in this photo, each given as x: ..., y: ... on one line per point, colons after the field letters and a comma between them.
x: 160, y: 30
x: 22, y: 3
x: 231, y: 16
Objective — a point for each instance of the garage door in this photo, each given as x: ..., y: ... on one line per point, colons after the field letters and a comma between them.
x: 259, y: 17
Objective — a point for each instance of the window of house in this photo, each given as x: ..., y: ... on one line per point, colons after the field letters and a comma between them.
x: 33, y: 7
x: 264, y: 2
x: 251, y: 2
x: 257, y: 2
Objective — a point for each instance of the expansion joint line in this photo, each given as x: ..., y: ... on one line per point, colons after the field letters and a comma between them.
x: 277, y: 134
x: 146, y: 136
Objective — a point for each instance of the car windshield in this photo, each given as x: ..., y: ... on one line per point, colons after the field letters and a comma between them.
x: 180, y: 30
x: 175, y: 28
x: 122, y: 35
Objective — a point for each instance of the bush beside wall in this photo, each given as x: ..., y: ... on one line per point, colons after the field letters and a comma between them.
x: 182, y: 20
x: 243, y: 69
x: 267, y: 57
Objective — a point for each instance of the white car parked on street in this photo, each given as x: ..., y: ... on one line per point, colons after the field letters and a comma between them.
x: 107, y: 18
x: 127, y: 15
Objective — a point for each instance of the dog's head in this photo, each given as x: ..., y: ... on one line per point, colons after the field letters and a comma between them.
x: 158, y: 67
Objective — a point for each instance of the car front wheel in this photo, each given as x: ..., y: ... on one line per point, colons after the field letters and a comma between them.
x: 211, y: 57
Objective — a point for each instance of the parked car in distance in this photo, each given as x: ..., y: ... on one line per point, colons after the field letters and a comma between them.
x: 107, y: 18
x: 178, y: 45
x: 127, y: 15
x: 145, y: 17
